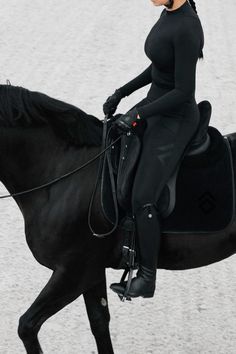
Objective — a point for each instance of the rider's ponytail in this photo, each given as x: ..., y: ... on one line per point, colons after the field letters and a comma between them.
x: 192, y: 3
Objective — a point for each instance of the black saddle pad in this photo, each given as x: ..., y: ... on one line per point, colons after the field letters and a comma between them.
x: 204, y: 190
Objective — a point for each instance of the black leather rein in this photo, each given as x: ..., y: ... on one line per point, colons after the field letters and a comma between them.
x: 57, y: 179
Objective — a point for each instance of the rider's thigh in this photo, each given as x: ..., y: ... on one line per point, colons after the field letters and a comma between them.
x: 163, y: 144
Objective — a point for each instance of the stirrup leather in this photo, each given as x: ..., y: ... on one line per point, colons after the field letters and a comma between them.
x: 132, y: 263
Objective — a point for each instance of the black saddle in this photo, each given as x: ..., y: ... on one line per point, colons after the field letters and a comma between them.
x: 198, y: 196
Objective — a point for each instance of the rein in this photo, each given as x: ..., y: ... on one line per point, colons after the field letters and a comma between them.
x: 101, y: 162
x: 113, y: 187
x: 57, y: 179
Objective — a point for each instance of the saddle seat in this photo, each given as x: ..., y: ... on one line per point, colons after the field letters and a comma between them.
x: 124, y: 159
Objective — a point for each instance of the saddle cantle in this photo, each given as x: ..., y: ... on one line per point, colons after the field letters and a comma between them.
x: 198, y: 196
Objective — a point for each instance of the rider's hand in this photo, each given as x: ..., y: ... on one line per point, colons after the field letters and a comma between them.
x: 127, y: 121
x: 110, y: 106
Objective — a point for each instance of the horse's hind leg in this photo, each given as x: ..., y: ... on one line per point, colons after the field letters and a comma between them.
x: 98, y: 313
x: 60, y: 290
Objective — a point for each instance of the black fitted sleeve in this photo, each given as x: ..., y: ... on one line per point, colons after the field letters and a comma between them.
x: 186, y: 51
x: 139, y: 81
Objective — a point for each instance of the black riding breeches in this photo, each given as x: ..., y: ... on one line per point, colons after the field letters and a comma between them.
x: 163, y: 143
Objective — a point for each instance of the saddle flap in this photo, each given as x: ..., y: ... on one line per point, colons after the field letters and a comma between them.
x: 129, y: 154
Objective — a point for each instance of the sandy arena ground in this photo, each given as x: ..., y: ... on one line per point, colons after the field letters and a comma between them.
x: 81, y: 51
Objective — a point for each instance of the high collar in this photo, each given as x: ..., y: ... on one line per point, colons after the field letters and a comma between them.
x: 180, y: 9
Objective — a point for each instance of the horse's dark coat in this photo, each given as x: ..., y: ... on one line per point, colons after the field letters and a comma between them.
x: 20, y: 107
x: 37, y: 144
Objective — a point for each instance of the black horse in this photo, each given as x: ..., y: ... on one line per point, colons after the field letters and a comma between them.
x: 41, y: 139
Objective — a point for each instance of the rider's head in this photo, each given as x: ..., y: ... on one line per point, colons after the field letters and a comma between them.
x: 169, y: 4
x: 162, y: 2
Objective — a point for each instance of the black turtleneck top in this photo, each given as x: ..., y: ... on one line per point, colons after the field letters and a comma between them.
x: 173, y: 45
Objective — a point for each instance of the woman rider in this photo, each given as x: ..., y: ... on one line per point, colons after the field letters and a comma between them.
x: 173, y: 45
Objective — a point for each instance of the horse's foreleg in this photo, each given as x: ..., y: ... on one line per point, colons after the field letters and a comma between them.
x: 60, y: 290
x: 98, y: 313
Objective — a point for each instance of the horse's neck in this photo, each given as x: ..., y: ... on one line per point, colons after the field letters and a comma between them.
x: 21, y: 155
x: 34, y: 156
x: 27, y: 156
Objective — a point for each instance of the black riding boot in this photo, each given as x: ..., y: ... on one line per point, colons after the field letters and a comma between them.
x: 148, y: 235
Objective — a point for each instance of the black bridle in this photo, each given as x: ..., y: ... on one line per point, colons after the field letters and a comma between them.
x: 57, y: 179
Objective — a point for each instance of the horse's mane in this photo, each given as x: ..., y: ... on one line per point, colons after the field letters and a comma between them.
x: 20, y: 107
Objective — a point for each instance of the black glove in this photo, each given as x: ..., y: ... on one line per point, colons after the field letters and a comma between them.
x: 128, y: 121
x: 112, y: 102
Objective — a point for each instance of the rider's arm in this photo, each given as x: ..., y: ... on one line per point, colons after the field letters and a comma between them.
x: 139, y: 81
